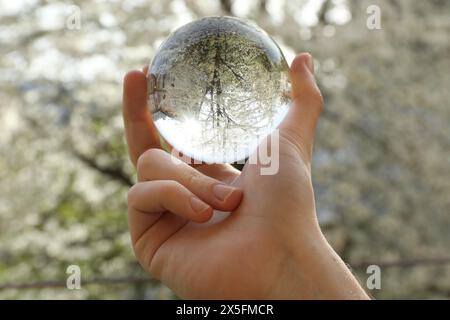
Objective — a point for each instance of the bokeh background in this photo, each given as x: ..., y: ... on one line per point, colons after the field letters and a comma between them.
x: 381, y: 160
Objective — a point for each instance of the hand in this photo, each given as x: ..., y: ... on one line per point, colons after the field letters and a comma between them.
x: 268, y: 246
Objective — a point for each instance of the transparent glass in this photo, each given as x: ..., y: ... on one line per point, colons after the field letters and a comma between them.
x: 216, y: 87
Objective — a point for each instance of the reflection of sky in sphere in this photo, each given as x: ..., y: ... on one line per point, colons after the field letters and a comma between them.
x: 188, y: 134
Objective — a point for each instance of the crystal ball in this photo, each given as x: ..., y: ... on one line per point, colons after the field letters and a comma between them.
x: 216, y: 87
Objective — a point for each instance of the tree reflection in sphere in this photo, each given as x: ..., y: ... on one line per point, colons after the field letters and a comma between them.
x: 216, y: 87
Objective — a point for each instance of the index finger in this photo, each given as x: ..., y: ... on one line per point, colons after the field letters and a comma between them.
x: 140, y: 131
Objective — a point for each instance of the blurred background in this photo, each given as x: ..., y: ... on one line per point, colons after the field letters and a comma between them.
x: 381, y: 159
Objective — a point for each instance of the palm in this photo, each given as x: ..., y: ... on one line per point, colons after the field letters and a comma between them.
x: 242, y: 240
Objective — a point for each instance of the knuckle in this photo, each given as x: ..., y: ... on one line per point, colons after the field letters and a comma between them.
x: 170, y: 188
x: 320, y: 102
x: 315, y: 99
x: 311, y: 98
x: 293, y: 138
x: 193, y: 178
x: 147, y: 159
x: 133, y: 193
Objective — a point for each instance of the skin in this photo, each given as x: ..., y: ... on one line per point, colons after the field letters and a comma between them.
x: 269, y: 246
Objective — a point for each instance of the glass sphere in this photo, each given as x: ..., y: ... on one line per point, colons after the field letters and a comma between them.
x: 216, y: 87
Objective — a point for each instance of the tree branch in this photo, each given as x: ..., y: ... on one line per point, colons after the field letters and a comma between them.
x: 422, y: 262
x: 63, y: 284
x: 403, y: 263
x: 114, y: 173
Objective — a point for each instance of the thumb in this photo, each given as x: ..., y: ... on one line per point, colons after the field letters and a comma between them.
x: 307, y: 103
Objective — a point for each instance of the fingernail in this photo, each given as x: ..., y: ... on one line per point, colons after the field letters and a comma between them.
x: 198, y: 205
x: 310, y: 63
x: 222, y: 191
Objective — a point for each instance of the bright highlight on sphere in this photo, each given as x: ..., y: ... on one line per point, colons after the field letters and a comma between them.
x: 216, y: 87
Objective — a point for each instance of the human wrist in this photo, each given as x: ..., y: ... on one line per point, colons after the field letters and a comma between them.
x: 293, y: 282
x: 313, y: 270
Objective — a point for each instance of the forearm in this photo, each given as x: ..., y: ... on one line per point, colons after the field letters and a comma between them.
x: 315, y: 271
